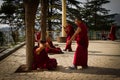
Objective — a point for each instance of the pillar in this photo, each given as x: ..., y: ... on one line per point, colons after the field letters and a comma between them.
x: 63, y: 17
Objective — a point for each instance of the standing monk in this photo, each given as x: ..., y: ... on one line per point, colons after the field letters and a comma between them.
x: 37, y: 36
x: 70, y: 31
x: 81, y: 37
x: 112, y: 33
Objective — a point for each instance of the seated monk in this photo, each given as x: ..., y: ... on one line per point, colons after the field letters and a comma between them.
x: 51, y: 48
x: 41, y: 59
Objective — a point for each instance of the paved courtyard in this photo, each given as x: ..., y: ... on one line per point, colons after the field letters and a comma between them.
x: 103, y: 61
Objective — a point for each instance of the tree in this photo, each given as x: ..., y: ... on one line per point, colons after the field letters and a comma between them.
x: 8, y: 8
x: 30, y: 13
x: 73, y: 9
x: 54, y: 13
x: 12, y: 11
x: 96, y: 16
x: 1, y: 38
x: 43, y: 18
x: 30, y: 23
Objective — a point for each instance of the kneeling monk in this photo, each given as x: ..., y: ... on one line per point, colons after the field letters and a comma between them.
x: 41, y: 59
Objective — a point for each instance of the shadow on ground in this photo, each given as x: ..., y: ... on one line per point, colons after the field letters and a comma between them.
x: 92, y: 70
x: 95, y: 51
x: 89, y: 70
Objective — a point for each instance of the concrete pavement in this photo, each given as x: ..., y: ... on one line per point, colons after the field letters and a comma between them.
x: 103, y: 61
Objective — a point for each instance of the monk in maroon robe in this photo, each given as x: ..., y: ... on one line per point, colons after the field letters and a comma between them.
x: 81, y: 53
x: 51, y: 48
x: 69, y: 31
x: 37, y: 36
x: 41, y: 59
x: 112, y: 33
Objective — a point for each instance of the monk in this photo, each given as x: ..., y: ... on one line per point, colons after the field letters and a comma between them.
x: 41, y: 59
x: 81, y: 53
x: 69, y: 31
x: 112, y: 33
x: 51, y: 49
x: 37, y: 36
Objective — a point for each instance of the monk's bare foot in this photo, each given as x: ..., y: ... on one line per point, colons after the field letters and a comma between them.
x: 64, y: 49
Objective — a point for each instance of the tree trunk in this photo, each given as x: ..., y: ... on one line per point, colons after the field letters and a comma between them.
x: 30, y: 11
x: 43, y: 19
x: 50, y: 11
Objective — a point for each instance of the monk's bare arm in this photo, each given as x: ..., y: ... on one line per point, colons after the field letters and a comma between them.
x: 76, y: 32
x: 39, y: 49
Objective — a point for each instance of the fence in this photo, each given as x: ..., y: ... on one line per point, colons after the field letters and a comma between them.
x: 7, y: 40
x: 93, y: 35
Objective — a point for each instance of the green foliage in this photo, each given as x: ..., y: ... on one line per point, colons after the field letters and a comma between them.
x: 8, y: 9
x: 55, y: 9
x: 97, y: 17
x: 13, y: 12
x: 13, y: 15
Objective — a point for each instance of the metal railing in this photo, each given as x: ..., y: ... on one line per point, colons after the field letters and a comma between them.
x: 93, y: 35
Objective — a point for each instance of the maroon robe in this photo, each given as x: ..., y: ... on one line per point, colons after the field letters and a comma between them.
x: 70, y: 31
x: 112, y: 33
x: 81, y: 53
x: 55, y: 50
x: 43, y: 61
x: 37, y: 36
